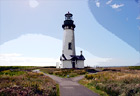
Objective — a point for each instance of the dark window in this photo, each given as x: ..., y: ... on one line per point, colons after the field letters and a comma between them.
x: 69, y: 46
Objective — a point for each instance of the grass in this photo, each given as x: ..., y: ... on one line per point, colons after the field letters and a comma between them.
x: 87, y: 84
x: 27, y: 68
x: 57, y: 89
x: 22, y: 82
x: 134, y: 67
x: 118, y: 82
x: 11, y: 73
x: 65, y: 73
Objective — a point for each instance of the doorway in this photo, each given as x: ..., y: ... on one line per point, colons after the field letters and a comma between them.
x: 73, y: 64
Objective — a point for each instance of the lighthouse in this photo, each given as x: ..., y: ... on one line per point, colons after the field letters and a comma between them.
x: 69, y: 59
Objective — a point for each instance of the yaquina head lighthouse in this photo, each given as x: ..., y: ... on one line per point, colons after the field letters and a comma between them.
x: 69, y: 59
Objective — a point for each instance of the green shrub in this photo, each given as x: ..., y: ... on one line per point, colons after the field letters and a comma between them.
x: 11, y: 73
x: 89, y: 76
x: 59, y: 73
x: 79, y: 72
x: 134, y: 67
x: 64, y: 72
x: 72, y: 74
x: 2, y: 68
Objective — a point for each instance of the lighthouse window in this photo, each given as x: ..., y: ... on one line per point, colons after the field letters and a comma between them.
x: 69, y: 46
x: 68, y: 18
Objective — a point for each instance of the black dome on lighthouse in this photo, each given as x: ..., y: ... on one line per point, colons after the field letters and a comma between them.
x: 68, y: 23
x: 68, y: 14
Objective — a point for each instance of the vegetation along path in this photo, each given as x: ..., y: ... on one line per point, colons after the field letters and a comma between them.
x: 70, y: 86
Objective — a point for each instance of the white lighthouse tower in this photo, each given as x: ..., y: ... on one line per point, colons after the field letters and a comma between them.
x: 69, y: 59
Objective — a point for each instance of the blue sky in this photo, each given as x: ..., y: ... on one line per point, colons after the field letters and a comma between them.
x: 23, y: 24
x: 121, y: 17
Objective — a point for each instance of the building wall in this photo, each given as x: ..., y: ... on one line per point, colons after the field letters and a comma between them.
x: 67, y: 64
x: 68, y: 38
x: 80, y: 64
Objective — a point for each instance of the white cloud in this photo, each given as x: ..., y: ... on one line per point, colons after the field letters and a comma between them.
x: 9, y: 55
x: 96, y: 61
x: 115, y: 6
x: 19, y: 60
x: 138, y: 17
x: 97, y: 3
x: 33, y: 3
x: 39, y: 52
x: 118, y: 62
x: 92, y: 60
x: 108, y: 2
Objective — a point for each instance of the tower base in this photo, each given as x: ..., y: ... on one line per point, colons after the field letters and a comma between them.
x: 71, y: 64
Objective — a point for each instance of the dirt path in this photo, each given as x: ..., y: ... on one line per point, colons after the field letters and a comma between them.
x: 70, y: 86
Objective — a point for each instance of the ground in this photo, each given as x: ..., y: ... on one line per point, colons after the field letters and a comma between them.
x: 70, y: 86
x: 17, y: 81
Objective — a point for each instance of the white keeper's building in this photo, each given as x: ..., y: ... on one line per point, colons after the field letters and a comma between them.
x: 69, y: 59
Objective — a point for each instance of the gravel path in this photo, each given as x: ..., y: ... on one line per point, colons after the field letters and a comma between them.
x: 70, y: 86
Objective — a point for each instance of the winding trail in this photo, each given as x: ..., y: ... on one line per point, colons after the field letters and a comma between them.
x: 70, y: 86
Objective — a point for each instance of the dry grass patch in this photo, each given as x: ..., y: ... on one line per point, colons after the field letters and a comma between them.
x: 25, y: 83
x: 64, y: 72
x: 116, y: 83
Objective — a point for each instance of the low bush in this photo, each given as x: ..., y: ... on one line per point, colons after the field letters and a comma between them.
x: 24, y: 83
x: 72, y: 74
x: 11, y: 73
x: 89, y: 76
x: 116, y: 83
x: 64, y: 72
x: 134, y: 67
x: 59, y: 73
x: 49, y: 70
x: 2, y: 68
x: 80, y: 72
